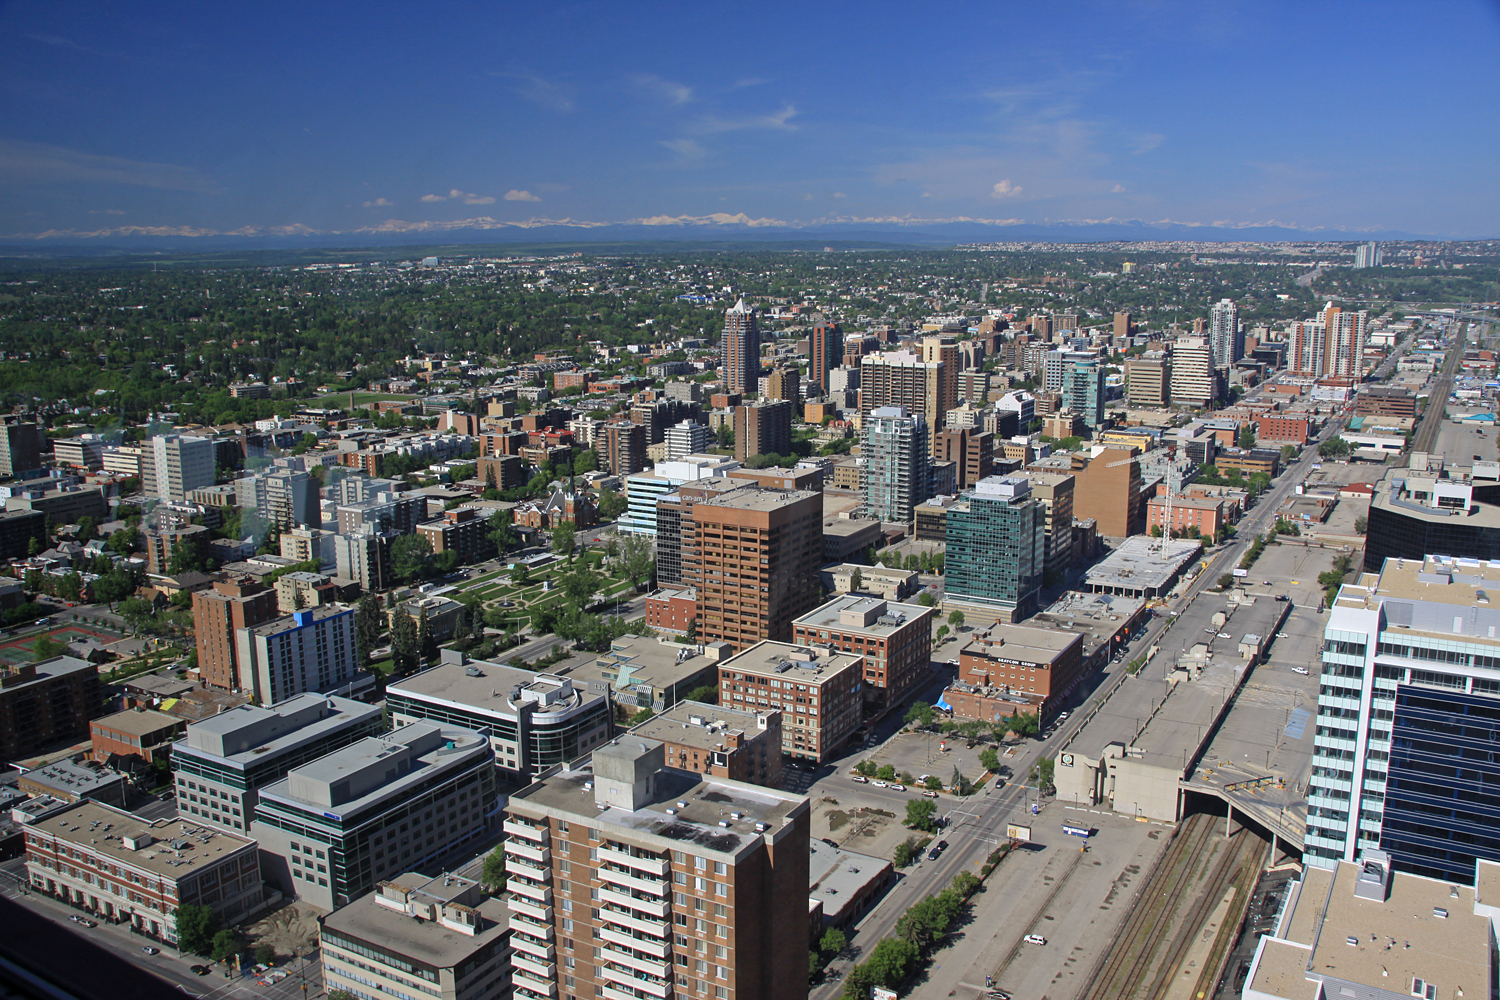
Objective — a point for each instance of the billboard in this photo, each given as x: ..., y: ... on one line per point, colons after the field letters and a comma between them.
x: 1015, y: 832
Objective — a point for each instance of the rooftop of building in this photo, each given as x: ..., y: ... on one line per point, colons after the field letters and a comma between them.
x: 871, y: 572
x: 684, y: 810
x: 1019, y: 642
x: 247, y: 733
x: 170, y: 848
x: 839, y: 525
x: 1330, y: 933
x: 137, y: 722
x: 384, y: 917
x: 836, y: 877
x: 698, y: 724
x: 1096, y: 614
x: 873, y: 616
x: 300, y: 619
x: 72, y: 778
x: 806, y: 664
x: 484, y: 686
x: 363, y: 773
x: 749, y: 496
x: 634, y: 660
x: 1139, y: 563
x: 44, y: 670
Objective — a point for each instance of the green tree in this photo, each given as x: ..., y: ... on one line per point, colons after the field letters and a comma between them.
x: 906, y: 852
x: 636, y: 561
x: 1042, y: 774
x: 580, y: 584
x: 1226, y: 581
x: 934, y: 783
x: 405, y: 647
x: 196, y: 927
x: 47, y: 647
x: 920, y: 714
x: 501, y: 535
x: 1288, y: 452
x: 1361, y: 523
x: 644, y: 715
x: 708, y: 694
x: 225, y: 946
x: 611, y: 505
x: 942, y: 633
x: 887, y: 772
x: 265, y: 953
x: 369, y: 623
x: 1334, y: 447
x: 919, y: 815
x: 563, y: 539
x: 956, y: 619
x: 411, y: 557
x: 856, y: 581
x: 1247, y: 437
x: 926, y: 600
x: 520, y: 575
x: 833, y: 942
x: 989, y: 760
x: 494, y: 870
x: 427, y: 647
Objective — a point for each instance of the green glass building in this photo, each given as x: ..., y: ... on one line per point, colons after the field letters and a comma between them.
x: 997, y: 547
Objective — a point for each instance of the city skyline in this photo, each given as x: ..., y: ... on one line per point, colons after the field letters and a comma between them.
x: 170, y: 121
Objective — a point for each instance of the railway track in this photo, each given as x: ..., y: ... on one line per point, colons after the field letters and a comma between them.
x: 1146, y: 953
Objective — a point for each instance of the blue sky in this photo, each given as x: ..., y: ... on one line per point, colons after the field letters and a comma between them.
x: 336, y: 117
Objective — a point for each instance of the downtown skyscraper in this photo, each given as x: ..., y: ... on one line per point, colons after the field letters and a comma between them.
x: 1224, y: 337
x: 825, y: 351
x: 895, y: 470
x: 739, y: 350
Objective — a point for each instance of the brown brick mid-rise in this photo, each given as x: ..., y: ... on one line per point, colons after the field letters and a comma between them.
x: 718, y: 741
x: 217, y: 613
x: 972, y: 449
x: 895, y: 640
x: 818, y: 693
x: 45, y: 703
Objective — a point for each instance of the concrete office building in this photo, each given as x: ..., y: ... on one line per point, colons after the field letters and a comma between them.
x: 1407, y: 711
x: 1055, y: 492
x: 439, y: 935
x: 819, y: 693
x: 644, y: 489
x: 971, y: 450
x: 334, y: 828
x: 1415, y: 512
x: 651, y: 882
x: 46, y: 703
x: 825, y: 351
x: 739, y: 350
x: 1225, y: 338
x: 179, y: 464
x: 139, y: 872
x: 897, y: 474
x: 532, y: 720
x: 224, y: 761
x: 997, y: 548
x: 895, y: 639
x: 288, y: 498
x: 762, y: 427
x: 719, y: 742
x: 364, y: 555
x: 1194, y: 378
x: 383, y: 511
x: 1148, y: 380
x: 310, y: 650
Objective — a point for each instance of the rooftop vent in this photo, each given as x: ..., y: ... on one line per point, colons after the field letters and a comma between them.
x: 1440, y: 913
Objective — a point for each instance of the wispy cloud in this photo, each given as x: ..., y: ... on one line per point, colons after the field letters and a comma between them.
x: 665, y: 90
x: 39, y: 163
x: 467, y: 197
x: 545, y: 93
x: 1146, y: 143
x: 379, y: 203
x: 686, y: 149
x: 516, y: 195
x: 1005, y: 189
x: 782, y: 119
x: 1117, y: 189
x: 57, y: 41
x: 106, y: 211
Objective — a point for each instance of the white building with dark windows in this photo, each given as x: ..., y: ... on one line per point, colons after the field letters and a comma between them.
x: 310, y: 650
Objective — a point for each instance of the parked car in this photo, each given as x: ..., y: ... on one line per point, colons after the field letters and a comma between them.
x: 85, y: 921
x: 1034, y: 939
x: 930, y: 794
x: 898, y: 788
x: 936, y: 850
x: 880, y: 784
x: 1300, y: 670
x: 148, y: 949
x: 859, y: 778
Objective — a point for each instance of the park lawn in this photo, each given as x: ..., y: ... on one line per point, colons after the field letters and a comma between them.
x: 384, y: 666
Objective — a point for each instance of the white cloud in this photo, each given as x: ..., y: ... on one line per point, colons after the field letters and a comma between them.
x: 1117, y: 189
x: 807, y: 197
x: 1146, y: 143
x: 515, y: 195
x: 467, y: 197
x: 926, y: 194
x: 544, y: 93
x: 434, y: 197
x: 666, y: 90
x: 1005, y: 189
x: 686, y: 149
x: 779, y: 120
x: 39, y: 162
x: 839, y: 194
x: 479, y: 199
x: 381, y: 203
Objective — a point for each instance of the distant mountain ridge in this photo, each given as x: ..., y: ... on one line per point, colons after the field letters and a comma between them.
x: 932, y: 234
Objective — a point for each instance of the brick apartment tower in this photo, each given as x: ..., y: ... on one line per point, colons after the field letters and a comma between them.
x: 739, y: 350
x: 763, y: 427
x: 217, y: 613
x: 624, y: 449
x: 971, y: 448
x: 825, y: 351
x: 753, y: 556
x: 605, y: 901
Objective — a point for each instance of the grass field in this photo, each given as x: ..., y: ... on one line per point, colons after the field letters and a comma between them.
x: 23, y: 650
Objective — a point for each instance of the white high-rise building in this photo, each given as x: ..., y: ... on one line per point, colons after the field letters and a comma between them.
x: 1367, y: 255
x: 1224, y: 336
x: 311, y: 650
x: 1194, y: 381
x: 896, y: 472
x: 687, y: 438
x: 180, y: 464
